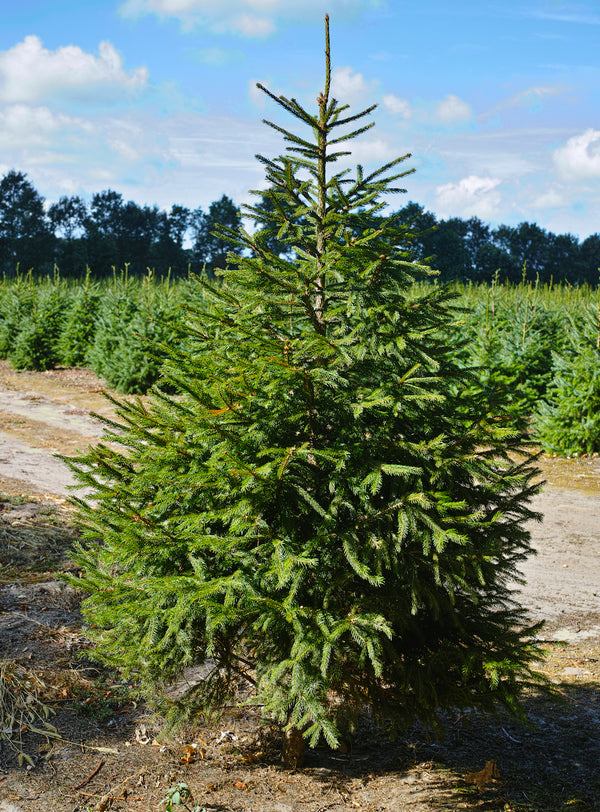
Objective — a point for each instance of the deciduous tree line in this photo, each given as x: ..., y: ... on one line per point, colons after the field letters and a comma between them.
x: 471, y: 249
x: 109, y: 232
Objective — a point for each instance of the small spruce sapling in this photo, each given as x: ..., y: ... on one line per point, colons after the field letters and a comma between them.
x: 36, y: 344
x: 567, y: 420
x: 77, y: 334
x: 327, y: 512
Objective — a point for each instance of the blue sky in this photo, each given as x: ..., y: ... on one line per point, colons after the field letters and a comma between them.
x: 497, y: 102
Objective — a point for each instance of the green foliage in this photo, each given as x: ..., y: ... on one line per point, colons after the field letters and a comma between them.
x: 177, y: 796
x: 36, y: 343
x: 17, y: 302
x: 79, y: 325
x: 210, y: 249
x: 568, y: 420
x: 111, y: 233
x: 328, y: 513
x: 118, y: 305
x: 152, y: 327
x: 133, y: 322
x: 510, y: 341
x: 512, y: 337
x: 25, y: 238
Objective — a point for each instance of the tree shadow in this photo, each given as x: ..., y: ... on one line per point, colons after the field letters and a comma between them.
x: 549, y: 763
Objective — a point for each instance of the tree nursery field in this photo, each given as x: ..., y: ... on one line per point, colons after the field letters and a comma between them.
x: 540, y: 341
x: 548, y: 763
x: 298, y: 569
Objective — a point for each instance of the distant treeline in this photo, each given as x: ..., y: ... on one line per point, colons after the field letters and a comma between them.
x: 110, y: 233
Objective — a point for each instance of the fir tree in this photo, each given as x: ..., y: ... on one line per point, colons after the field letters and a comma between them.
x: 133, y: 320
x: 567, y: 420
x: 36, y: 343
x: 327, y: 513
x: 77, y: 335
x: 137, y: 318
x: 16, y: 306
x: 512, y: 350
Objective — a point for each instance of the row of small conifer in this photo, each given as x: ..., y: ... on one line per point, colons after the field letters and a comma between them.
x: 543, y: 342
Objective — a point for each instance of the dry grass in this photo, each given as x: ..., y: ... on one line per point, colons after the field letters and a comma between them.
x: 22, y: 709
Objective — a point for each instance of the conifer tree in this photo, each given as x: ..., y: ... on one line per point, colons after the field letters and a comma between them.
x: 36, y: 344
x: 327, y: 512
x: 77, y: 335
x: 567, y: 420
x: 16, y: 306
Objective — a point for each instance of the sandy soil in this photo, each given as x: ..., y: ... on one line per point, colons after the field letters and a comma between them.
x: 43, y: 414
x: 235, y: 766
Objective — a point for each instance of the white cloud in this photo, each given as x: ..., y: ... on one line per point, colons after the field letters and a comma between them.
x: 531, y: 98
x: 68, y: 154
x: 29, y: 72
x: 508, y: 154
x: 397, y: 106
x: 550, y: 199
x: 472, y: 195
x: 130, y: 142
x: 348, y: 86
x: 369, y: 150
x: 252, y: 26
x: 192, y: 159
x: 102, y: 176
x: 453, y: 110
x: 250, y: 18
x: 579, y: 158
x: 124, y: 149
x: 23, y: 126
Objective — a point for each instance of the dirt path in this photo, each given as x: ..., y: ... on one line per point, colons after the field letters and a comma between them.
x: 43, y: 414
x: 230, y: 767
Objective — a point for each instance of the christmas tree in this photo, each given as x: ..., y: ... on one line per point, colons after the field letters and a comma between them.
x: 329, y: 512
x: 567, y: 420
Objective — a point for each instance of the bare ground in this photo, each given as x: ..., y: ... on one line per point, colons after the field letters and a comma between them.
x: 110, y: 753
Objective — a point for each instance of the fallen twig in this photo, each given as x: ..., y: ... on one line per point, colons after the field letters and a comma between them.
x: 507, y: 734
x: 91, y: 775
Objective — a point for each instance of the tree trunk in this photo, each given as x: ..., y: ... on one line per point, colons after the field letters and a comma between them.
x: 293, y: 748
